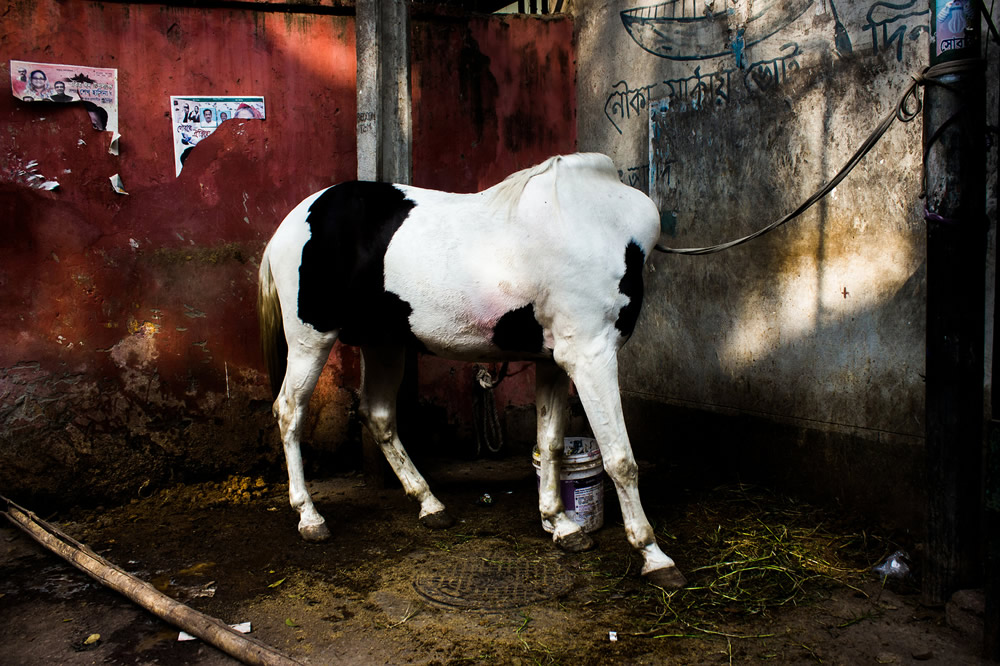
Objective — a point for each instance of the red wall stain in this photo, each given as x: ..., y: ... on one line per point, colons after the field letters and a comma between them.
x: 505, y: 102
x: 128, y: 343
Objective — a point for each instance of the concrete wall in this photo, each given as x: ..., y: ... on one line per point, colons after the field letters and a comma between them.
x: 128, y: 343
x: 798, y: 357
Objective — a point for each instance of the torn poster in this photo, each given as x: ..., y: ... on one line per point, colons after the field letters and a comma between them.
x: 95, y: 88
x: 194, y: 118
x: 117, y: 185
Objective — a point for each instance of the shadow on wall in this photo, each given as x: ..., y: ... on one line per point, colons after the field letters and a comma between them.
x: 820, y: 315
x: 798, y: 357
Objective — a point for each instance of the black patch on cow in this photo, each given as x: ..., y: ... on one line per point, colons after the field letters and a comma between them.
x: 631, y: 286
x: 519, y: 331
x: 342, y: 275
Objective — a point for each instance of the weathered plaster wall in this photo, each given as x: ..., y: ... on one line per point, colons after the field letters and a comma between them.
x: 799, y: 356
x: 128, y: 343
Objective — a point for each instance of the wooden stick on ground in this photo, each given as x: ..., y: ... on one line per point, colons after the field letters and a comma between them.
x: 208, y: 629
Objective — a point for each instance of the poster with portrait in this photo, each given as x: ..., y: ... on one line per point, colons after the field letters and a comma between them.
x: 194, y: 118
x: 95, y: 88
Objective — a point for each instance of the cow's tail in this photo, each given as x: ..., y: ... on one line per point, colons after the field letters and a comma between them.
x: 272, y: 330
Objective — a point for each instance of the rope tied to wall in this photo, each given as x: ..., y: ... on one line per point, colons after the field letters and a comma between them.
x: 907, y: 109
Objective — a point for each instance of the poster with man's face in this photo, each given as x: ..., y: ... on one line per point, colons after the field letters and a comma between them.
x: 194, y: 118
x: 96, y: 88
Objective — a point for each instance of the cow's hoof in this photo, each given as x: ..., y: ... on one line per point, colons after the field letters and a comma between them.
x: 575, y: 542
x: 315, y: 533
x: 438, y: 520
x: 669, y: 578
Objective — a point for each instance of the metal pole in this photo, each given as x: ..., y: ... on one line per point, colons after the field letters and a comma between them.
x: 956, y: 255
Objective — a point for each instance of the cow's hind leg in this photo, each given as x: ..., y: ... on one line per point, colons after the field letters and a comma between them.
x: 306, y: 359
x: 381, y: 374
x: 551, y: 396
x: 595, y: 373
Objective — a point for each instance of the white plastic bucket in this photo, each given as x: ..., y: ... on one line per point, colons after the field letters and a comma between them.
x: 581, y: 482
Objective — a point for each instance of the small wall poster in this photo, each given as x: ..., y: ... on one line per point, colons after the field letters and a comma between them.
x: 96, y: 88
x: 194, y: 118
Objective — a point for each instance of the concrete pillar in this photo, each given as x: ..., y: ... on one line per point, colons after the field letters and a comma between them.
x: 384, y: 131
x: 382, y: 33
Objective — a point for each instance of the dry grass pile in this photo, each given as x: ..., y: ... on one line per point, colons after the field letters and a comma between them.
x: 749, y: 551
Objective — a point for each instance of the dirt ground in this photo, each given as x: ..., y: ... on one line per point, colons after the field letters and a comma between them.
x: 491, y: 590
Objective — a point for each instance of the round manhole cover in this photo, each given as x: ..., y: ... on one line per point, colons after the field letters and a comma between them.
x: 481, y: 584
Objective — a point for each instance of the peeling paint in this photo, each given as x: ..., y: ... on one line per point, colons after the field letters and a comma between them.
x: 146, y: 328
x: 137, y: 350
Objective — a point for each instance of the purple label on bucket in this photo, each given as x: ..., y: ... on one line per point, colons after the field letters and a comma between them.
x: 570, y: 491
x: 583, y: 501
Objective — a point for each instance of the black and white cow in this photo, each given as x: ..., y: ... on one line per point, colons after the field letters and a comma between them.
x: 546, y: 266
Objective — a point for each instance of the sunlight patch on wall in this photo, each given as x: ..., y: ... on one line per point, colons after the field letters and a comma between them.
x: 810, y: 295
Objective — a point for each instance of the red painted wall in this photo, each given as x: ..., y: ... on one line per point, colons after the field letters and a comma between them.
x: 128, y: 343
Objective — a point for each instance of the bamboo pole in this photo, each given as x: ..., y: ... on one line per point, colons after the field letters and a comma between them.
x: 208, y: 629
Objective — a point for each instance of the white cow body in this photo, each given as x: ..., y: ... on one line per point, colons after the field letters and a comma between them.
x: 544, y: 266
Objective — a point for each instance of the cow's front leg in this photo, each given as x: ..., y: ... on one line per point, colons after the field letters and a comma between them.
x: 551, y: 399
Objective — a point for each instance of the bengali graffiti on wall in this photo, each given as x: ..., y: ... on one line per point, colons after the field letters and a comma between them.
x: 636, y: 176
x: 672, y: 31
x: 699, y: 91
x: 901, y: 17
